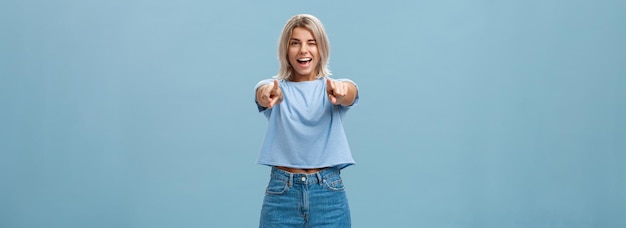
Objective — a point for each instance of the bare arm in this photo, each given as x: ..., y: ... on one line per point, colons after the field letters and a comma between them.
x: 269, y: 95
x: 341, y: 93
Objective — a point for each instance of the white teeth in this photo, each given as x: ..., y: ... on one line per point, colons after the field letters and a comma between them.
x: 304, y: 59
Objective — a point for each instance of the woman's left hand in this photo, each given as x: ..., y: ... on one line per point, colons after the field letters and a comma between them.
x: 340, y: 93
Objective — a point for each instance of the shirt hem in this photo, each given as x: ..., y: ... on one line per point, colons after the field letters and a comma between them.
x: 340, y: 165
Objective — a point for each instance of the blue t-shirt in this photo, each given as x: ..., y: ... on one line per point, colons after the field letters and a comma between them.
x: 305, y: 130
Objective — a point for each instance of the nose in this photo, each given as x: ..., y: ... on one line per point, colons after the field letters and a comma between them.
x: 304, y: 48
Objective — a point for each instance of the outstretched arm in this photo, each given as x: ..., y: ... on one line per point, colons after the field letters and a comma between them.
x: 341, y: 93
x: 269, y: 95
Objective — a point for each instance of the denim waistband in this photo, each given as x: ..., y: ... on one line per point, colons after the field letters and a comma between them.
x: 304, y: 179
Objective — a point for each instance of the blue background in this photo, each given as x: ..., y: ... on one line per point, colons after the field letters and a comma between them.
x: 472, y: 114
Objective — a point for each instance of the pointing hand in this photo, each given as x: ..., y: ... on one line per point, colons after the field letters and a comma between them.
x: 336, y: 91
x: 270, y: 95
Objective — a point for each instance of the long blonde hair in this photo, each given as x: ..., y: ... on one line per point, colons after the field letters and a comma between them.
x: 313, y: 24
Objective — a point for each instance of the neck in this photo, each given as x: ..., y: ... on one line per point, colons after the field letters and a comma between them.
x: 303, y: 78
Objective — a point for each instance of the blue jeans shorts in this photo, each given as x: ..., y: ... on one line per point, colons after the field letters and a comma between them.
x: 305, y: 200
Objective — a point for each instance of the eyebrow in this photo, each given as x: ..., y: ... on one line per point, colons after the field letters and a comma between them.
x: 296, y: 39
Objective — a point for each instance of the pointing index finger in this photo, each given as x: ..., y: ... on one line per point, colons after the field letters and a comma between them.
x: 276, y: 86
x: 329, y: 86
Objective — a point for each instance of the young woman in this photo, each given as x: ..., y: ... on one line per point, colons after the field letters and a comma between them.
x: 305, y: 143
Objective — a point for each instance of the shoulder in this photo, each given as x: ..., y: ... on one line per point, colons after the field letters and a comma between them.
x: 344, y: 80
x: 267, y: 81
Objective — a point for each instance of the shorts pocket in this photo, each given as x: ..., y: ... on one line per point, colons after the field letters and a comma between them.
x: 334, y: 183
x: 276, y: 186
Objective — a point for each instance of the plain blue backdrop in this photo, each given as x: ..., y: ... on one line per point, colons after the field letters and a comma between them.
x: 473, y: 113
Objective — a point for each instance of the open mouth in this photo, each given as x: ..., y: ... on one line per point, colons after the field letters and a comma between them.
x: 304, y: 61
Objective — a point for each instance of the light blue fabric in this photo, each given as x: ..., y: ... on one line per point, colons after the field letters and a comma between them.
x: 305, y: 130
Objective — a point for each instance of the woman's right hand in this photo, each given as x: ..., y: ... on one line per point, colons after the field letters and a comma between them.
x: 269, y: 95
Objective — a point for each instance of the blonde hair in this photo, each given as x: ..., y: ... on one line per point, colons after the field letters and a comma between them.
x: 313, y: 24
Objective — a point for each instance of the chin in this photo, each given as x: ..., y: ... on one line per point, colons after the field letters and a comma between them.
x: 304, y: 73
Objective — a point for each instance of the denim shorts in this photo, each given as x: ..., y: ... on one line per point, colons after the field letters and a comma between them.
x: 305, y: 200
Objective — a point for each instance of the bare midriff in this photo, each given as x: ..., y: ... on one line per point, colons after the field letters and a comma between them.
x: 302, y: 171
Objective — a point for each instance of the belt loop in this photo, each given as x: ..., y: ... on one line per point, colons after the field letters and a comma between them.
x: 290, y: 179
x: 319, y: 178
